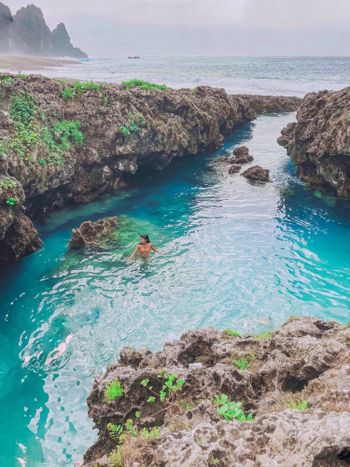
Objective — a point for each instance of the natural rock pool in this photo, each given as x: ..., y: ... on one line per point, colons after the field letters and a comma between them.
x: 237, y: 255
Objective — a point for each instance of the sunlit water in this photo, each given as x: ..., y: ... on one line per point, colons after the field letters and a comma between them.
x: 235, y: 255
x: 258, y: 75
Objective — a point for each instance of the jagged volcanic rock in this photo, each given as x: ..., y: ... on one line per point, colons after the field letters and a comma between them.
x: 90, y: 234
x: 319, y: 141
x: 257, y: 174
x: 307, y: 361
x: 272, y: 104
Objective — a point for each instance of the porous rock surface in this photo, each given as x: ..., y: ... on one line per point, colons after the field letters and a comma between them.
x: 240, y: 155
x: 257, y: 174
x: 90, y: 234
x: 306, y: 360
x: 234, y: 168
x: 319, y: 141
x: 175, y: 123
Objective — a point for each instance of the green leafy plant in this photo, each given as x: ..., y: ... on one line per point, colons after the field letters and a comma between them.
x: 264, y: 335
x: 6, y: 80
x: 105, y: 101
x: 232, y: 333
x: 113, y: 390
x: 135, y: 121
x: 115, y: 430
x: 231, y: 410
x: 11, y: 201
x: 8, y: 183
x: 77, y: 89
x: 144, y: 85
x: 241, y: 363
x: 171, y: 385
x: 22, y: 76
x: 2, y: 149
x: 302, y: 405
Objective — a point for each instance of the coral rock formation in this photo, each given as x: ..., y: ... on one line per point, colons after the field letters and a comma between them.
x: 257, y: 174
x: 90, y: 234
x: 319, y: 141
x: 296, y: 383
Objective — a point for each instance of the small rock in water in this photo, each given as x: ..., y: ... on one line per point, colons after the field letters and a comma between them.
x: 241, y: 151
x: 241, y: 156
x: 235, y: 168
x: 257, y: 173
x: 90, y: 233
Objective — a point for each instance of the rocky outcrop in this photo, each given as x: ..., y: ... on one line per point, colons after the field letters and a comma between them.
x: 257, y: 174
x: 272, y: 104
x: 319, y: 141
x: 240, y: 156
x: 294, y: 383
x: 234, y: 168
x: 62, y: 45
x: 6, y: 21
x: 93, y: 234
x: 87, y: 139
x: 28, y: 33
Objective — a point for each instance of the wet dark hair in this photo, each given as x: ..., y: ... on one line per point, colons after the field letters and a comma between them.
x: 146, y: 237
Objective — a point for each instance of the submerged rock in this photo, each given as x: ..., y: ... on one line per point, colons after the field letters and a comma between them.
x: 319, y: 141
x: 257, y: 173
x: 295, y: 382
x: 91, y: 234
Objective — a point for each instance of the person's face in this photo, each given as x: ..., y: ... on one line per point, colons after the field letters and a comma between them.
x: 143, y: 240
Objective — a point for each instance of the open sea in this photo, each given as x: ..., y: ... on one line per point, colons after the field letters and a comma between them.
x: 237, y: 255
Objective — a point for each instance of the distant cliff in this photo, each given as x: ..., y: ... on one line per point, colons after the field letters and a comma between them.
x: 27, y: 32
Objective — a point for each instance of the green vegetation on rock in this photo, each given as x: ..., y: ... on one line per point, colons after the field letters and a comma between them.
x: 231, y: 410
x: 8, y: 183
x: 11, y: 201
x: 6, y: 80
x: 33, y: 130
x: 241, y: 363
x: 301, y: 406
x: 113, y: 390
x: 77, y: 89
x: 232, y: 333
x: 144, y: 85
x: 135, y: 121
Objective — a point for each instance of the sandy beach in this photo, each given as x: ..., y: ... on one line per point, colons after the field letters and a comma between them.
x: 17, y: 63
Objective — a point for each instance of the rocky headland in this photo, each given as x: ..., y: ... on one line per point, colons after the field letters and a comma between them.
x: 217, y: 398
x: 26, y: 32
x: 70, y: 142
x: 319, y: 141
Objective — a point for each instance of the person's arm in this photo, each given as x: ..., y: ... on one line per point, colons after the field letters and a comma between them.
x: 155, y: 249
x: 134, y: 252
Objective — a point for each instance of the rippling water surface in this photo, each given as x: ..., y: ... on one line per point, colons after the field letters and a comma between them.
x: 235, y: 255
x: 257, y: 75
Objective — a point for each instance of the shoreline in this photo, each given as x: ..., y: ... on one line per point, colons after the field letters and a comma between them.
x: 16, y: 63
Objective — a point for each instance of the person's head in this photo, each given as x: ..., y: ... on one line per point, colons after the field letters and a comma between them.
x: 144, y: 239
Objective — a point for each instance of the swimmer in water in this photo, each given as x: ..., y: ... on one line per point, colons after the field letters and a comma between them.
x: 144, y: 248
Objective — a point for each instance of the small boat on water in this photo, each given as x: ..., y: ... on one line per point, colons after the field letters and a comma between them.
x: 134, y: 57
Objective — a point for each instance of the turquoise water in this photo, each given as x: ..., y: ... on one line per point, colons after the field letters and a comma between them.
x: 236, y: 255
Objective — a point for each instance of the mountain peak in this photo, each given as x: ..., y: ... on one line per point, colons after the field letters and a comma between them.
x: 27, y: 32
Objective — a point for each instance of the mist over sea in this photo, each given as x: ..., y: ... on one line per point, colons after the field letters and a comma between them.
x: 258, y: 75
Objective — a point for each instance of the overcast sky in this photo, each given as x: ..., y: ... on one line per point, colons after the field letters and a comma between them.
x: 206, y: 27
